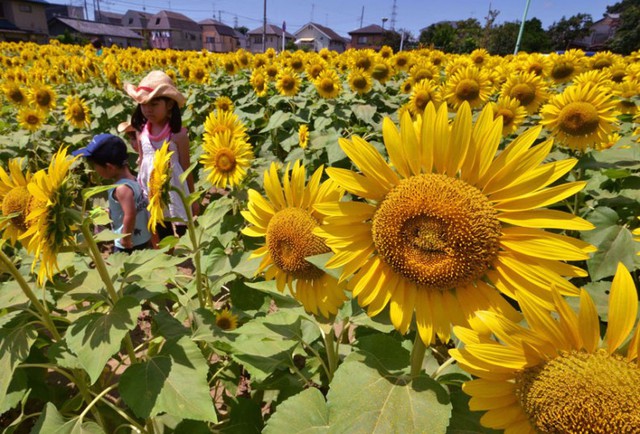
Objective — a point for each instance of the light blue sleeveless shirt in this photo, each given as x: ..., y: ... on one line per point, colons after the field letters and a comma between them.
x: 140, y: 234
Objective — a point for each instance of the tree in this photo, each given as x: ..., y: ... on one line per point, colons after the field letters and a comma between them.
x: 570, y: 29
x: 502, y: 39
x: 627, y: 36
x: 242, y: 29
x: 461, y: 36
x: 488, y: 26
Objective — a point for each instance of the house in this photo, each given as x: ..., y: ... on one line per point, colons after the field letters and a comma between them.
x: 601, y: 31
x: 23, y: 20
x: 110, y: 34
x: 242, y: 39
x: 273, y: 40
x: 173, y: 30
x: 218, y: 37
x: 367, y: 37
x: 56, y: 10
x: 316, y: 37
x: 108, y: 18
x: 137, y: 21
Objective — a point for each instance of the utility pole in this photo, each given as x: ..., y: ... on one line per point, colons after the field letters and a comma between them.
x: 313, y: 6
x: 361, y: 16
x: 524, y: 18
x: 264, y: 28
x: 393, y: 16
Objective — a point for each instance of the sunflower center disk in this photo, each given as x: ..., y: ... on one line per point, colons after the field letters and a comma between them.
x: 562, y: 71
x: 579, y: 119
x: 507, y: 116
x: 582, y: 393
x: 225, y: 160
x: 327, y: 85
x: 523, y: 93
x: 16, y: 200
x: 467, y: 90
x: 288, y: 83
x: 360, y: 83
x: 436, y: 231
x: 290, y: 240
x: 43, y: 98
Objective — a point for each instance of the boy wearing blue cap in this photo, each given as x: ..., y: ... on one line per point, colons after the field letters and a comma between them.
x: 127, y: 205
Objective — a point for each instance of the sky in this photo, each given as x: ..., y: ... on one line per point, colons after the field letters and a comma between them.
x: 344, y: 16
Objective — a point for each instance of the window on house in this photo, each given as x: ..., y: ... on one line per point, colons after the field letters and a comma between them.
x: 25, y: 8
x: 157, y: 21
x: 130, y: 21
x: 258, y: 39
x: 362, y: 39
x: 210, y: 39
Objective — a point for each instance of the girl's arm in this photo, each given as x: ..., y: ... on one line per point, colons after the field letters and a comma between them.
x: 124, y: 195
x: 184, y: 156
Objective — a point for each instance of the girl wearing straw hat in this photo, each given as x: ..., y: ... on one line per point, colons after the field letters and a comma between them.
x: 157, y: 119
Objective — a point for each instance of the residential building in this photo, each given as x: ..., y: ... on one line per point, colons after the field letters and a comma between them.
x: 243, y: 41
x: 138, y: 22
x: 108, y: 18
x: 173, y: 30
x: 273, y: 34
x: 218, y: 37
x: 23, y: 20
x: 108, y: 33
x: 56, y: 10
x: 316, y: 37
x: 601, y: 31
x: 367, y: 37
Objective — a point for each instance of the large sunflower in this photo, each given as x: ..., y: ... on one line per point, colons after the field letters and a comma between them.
x: 77, y: 112
x: 468, y: 84
x: 42, y: 96
x: 528, y: 88
x: 30, y: 118
x: 14, y: 197
x: 582, y: 116
x: 328, y: 84
x: 159, y: 186
x: 51, y: 221
x: 227, y: 158
x: 446, y: 216
x: 555, y: 376
x: 14, y: 93
x: 286, y: 219
x: 359, y: 81
x: 288, y: 82
x: 220, y: 121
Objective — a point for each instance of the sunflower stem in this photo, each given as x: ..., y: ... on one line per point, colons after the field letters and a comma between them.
x: 417, y: 355
x: 204, y: 299
x: 330, y: 347
x: 44, y: 313
x: 104, y: 275
x: 99, y: 261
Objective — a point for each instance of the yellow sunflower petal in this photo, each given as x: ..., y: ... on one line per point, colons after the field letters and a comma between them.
x: 540, y: 198
x: 546, y: 219
x: 357, y: 184
x: 370, y: 162
x: 392, y: 141
x: 623, y: 308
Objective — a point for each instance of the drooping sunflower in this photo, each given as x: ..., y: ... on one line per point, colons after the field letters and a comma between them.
x: 382, y: 69
x: 303, y: 136
x: 225, y: 320
x: 529, y: 89
x: 626, y: 91
x: 555, y: 376
x: 227, y: 158
x: 288, y: 82
x: 423, y: 93
x: 580, y: 117
x: 77, y: 112
x: 42, y: 96
x: 51, y: 221
x: 159, y: 186
x: 446, y: 222
x: 468, y: 84
x: 31, y: 118
x: 512, y: 113
x: 359, y: 81
x: 14, y: 197
x: 14, y: 93
x: 286, y: 219
x: 328, y: 84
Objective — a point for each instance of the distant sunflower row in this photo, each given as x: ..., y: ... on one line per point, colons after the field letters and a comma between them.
x: 578, y: 98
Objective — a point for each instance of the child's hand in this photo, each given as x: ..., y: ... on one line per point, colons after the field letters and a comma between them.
x: 127, y: 242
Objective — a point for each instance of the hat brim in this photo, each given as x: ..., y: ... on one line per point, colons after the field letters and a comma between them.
x: 125, y: 127
x: 143, y: 96
x: 82, y: 152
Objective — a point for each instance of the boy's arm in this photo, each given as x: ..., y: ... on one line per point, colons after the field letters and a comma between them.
x: 124, y: 195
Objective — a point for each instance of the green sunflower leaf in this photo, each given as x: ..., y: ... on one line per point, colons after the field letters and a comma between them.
x: 305, y: 412
x: 52, y: 422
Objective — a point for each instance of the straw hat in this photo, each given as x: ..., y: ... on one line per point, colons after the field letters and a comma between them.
x: 125, y: 127
x: 154, y: 85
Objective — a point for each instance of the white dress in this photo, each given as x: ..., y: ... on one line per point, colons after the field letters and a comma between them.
x: 148, y: 147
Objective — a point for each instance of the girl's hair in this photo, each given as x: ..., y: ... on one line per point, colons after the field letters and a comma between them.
x: 175, y: 117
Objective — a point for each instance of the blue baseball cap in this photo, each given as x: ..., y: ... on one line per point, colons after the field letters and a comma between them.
x: 104, y: 148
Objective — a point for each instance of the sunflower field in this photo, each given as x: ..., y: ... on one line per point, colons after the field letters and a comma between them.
x: 386, y: 243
